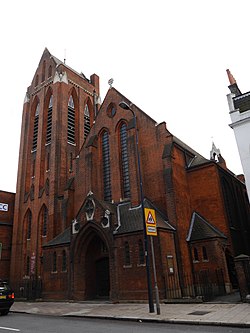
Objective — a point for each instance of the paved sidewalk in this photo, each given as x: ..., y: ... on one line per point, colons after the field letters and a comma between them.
x: 204, y: 313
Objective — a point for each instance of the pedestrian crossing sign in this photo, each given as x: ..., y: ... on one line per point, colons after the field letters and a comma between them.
x: 150, y: 221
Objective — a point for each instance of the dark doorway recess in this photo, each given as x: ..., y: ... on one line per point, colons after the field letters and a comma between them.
x: 102, y: 277
x: 97, y: 269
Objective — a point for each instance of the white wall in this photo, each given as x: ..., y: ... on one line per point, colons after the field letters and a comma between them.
x: 241, y: 126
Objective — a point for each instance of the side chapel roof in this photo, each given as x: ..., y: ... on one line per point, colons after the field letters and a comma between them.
x: 201, y: 229
x: 61, y: 239
x: 130, y: 221
x: 131, y: 218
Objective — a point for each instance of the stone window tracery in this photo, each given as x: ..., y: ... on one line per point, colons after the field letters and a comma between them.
x: 35, y: 132
x: 49, y: 120
x: 71, y: 120
x: 124, y: 161
x: 107, y: 194
x: 86, y: 121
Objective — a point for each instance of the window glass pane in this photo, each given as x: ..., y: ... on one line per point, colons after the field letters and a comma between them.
x: 49, y: 121
x: 35, y: 132
x: 86, y: 122
x: 204, y: 253
x: 106, y: 167
x: 124, y: 161
x: 196, y: 255
x: 64, y: 261
x: 71, y: 121
x: 126, y: 254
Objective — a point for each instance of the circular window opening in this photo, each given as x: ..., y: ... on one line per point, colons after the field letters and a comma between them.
x: 111, y: 111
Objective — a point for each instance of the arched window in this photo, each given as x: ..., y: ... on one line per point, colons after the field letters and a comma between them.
x: 126, y: 254
x: 45, y: 221
x: 43, y: 70
x: 204, y: 253
x: 86, y: 121
x: 124, y: 161
x: 50, y: 71
x: 141, y: 252
x: 35, y: 132
x: 71, y: 120
x: 29, y: 224
x: 64, y: 261
x: 54, y: 262
x: 27, y: 266
x: 49, y: 120
x: 196, y: 255
x: 107, y: 194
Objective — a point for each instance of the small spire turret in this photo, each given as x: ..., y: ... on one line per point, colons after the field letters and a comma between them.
x: 215, y: 155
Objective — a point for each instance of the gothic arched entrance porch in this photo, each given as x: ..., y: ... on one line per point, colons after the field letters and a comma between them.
x: 91, y: 265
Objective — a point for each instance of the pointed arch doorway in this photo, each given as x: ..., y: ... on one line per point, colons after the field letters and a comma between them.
x: 97, y: 269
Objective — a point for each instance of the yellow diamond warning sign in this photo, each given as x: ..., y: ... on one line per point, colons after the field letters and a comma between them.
x: 150, y: 222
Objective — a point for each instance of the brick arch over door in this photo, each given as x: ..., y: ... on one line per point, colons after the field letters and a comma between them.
x: 91, y: 264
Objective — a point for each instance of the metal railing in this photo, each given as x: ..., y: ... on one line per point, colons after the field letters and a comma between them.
x: 29, y: 289
x: 206, y: 284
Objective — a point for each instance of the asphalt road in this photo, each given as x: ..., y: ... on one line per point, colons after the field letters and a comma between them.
x: 18, y: 322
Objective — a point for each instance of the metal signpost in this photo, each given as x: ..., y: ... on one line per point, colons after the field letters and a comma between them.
x: 151, y: 229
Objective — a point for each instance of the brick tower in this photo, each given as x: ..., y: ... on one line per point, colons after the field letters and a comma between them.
x: 59, y: 108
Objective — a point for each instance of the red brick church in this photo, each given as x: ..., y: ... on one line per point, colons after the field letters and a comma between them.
x: 78, y: 228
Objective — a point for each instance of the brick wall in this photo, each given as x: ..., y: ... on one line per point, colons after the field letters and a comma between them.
x: 6, y: 225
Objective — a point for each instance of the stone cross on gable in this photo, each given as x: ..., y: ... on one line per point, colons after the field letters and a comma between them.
x: 110, y: 82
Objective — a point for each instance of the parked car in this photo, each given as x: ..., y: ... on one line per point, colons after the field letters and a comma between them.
x: 7, y: 298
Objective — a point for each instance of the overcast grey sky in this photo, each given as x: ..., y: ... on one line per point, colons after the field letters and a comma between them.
x: 167, y: 57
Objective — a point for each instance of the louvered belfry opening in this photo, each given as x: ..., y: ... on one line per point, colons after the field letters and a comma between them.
x: 71, y: 121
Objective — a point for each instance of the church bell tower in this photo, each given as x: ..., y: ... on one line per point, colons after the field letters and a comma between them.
x: 59, y: 108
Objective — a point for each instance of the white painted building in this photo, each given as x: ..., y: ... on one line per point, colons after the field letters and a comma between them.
x: 239, y: 106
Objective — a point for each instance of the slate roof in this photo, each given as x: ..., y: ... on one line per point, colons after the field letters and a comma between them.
x: 131, y: 218
x: 201, y: 229
x: 63, y: 238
